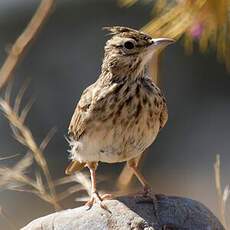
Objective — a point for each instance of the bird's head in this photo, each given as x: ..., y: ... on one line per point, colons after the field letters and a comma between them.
x: 129, y: 50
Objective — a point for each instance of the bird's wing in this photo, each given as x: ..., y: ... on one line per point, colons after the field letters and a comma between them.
x: 90, y: 107
x: 93, y: 99
x: 79, y: 119
x: 78, y: 125
x: 164, y: 114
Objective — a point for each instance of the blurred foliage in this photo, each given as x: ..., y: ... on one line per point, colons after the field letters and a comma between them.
x: 204, y: 21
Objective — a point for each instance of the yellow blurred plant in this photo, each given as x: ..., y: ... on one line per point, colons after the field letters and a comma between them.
x: 204, y: 21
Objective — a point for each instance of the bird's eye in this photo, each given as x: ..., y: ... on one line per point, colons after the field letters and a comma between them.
x: 128, y: 45
x: 152, y: 42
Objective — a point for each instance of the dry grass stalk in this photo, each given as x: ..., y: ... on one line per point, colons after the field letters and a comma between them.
x: 222, y: 196
x: 127, y: 3
x: 84, y: 184
x: 8, y: 157
x: 17, y: 173
x: 24, y: 39
x: 81, y: 178
x: 15, y: 178
x: 24, y: 136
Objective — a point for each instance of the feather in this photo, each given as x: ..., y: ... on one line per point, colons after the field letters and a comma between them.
x: 73, y: 167
x: 119, y: 29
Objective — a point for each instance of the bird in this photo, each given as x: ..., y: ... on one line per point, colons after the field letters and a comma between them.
x: 119, y: 115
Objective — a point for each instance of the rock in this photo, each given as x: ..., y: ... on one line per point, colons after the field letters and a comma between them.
x: 133, y: 213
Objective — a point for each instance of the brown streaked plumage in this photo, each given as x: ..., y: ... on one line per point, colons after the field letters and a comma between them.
x: 119, y: 115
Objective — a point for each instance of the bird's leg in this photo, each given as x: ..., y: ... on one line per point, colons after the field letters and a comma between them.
x: 133, y: 165
x: 95, y: 197
x: 148, y: 195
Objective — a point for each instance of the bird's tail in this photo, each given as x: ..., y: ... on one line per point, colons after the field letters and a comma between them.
x: 74, y: 166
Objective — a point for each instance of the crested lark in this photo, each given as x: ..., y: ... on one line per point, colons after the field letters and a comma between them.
x: 120, y: 115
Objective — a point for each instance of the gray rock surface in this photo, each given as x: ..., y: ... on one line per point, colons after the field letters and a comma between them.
x: 132, y: 213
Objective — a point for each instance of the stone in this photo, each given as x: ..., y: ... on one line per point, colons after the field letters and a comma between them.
x: 136, y: 213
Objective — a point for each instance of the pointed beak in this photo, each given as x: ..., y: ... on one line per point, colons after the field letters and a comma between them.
x: 162, y: 42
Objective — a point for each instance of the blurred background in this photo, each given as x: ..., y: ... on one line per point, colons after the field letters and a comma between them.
x: 66, y: 57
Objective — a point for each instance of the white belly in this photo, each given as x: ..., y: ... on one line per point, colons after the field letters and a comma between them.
x: 112, y: 145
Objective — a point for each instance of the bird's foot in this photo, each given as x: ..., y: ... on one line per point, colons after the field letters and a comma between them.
x: 146, y: 194
x: 148, y: 197
x: 96, y: 198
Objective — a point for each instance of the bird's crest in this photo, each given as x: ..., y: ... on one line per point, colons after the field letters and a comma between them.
x: 126, y: 32
x: 114, y: 30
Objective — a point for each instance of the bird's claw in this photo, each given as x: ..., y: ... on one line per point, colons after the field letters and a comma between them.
x: 147, y: 193
x: 147, y: 196
x: 96, y: 198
